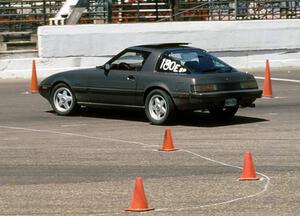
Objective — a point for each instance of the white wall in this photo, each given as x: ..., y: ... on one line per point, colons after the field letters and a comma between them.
x: 108, y: 39
x: 69, y: 47
x: 21, y: 68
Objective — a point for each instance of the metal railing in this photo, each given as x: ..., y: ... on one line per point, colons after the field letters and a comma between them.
x: 16, y: 15
x: 140, y: 11
x: 236, y: 9
x: 20, y: 15
x: 27, y: 15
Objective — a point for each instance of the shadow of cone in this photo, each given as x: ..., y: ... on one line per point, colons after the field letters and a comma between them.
x: 34, y: 82
x: 267, y: 82
x: 248, y: 172
x: 139, y: 201
x: 168, y: 142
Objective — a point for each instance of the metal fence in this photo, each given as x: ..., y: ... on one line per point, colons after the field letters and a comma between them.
x: 22, y: 15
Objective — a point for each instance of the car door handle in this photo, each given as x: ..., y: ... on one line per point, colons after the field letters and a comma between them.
x: 131, y: 77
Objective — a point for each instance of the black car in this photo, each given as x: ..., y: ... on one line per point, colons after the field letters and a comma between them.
x: 161, y: 78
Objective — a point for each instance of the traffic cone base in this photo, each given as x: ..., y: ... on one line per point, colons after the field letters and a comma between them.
x: 164, y: 149
x: 248, y: 179
x: 139, y: 200
x: 248, y: 172
x: 168, y: 142
x: 139, y: 210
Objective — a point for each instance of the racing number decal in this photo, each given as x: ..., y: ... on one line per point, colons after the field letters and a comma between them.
x: 169, y: 65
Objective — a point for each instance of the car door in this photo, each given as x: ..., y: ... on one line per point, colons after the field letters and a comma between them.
x: 118, y: 84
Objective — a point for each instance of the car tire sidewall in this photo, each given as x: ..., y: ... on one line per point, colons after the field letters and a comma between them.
x: 170, y: 107
x: 73, y: 106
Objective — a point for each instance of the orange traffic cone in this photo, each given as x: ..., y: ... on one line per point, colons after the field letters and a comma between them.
x: 248, y: 172
x: 34, y: 82
x: 267, y: 82
x: 139, y: 201
x: 168, y: 142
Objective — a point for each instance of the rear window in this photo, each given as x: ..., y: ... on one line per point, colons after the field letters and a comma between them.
x: 192, y: 60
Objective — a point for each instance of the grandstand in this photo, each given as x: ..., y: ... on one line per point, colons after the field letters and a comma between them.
x: 22, y: 17
x: 27, y: 15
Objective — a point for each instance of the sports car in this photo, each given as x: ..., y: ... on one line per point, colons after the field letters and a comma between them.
x: 163, y: 79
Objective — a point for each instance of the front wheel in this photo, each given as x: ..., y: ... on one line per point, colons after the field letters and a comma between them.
x: 223, y: 113
x: 159, y: 107
x: 63, y: 100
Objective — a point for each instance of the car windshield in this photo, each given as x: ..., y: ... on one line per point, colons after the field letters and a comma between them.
x: 198, y: 61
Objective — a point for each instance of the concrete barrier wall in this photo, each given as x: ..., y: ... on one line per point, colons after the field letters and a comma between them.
x: 21, y: 68
x: 71, y: 47
x: 101, y: 40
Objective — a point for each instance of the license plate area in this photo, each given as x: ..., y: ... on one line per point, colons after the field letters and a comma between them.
x: 230, y: 102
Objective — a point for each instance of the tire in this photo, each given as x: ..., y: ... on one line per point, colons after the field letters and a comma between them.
x: 223, y: 113
x: 159, y: 107
x: 63, y: 100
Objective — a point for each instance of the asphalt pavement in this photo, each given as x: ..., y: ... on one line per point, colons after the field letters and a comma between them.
x: 86, y: 164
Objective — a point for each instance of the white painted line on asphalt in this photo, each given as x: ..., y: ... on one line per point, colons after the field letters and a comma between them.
x: 276, y: 60
x: 228, y: 201
x: 269, y: 98
x: 182, y: 150
x: 76, y: 135
x: 8, y: 139
x: 18, y: 59
x: 73, y: 125
x: 25, y: 93
x: 279, y: 79
x: 50, y: 69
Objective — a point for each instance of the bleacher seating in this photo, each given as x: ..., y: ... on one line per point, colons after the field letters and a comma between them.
x: 27, y: 15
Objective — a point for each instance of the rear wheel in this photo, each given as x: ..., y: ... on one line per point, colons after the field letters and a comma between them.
x: 159, y: 107
x: 224, y: 113
x: 63, y: 100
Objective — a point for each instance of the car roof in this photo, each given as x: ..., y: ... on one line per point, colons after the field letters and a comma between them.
x: 161, y: 47
x: 164, y: 45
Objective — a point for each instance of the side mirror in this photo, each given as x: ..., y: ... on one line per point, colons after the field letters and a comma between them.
x: 107, y: 67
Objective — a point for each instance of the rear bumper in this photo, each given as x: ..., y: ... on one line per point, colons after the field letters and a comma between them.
x: 195, y: 100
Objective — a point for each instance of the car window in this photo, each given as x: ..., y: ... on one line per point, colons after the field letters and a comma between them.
x: 131, y: 60
x: 192, y: 60
x: 170, y: 64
